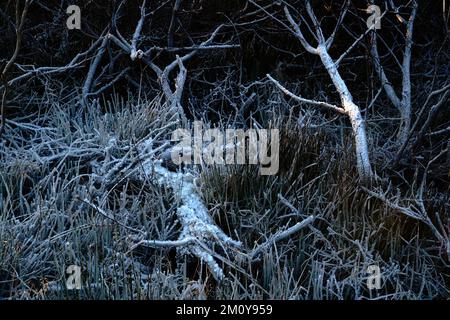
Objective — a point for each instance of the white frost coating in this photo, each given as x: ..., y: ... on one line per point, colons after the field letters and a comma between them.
x: 192, y: 213
x: 353, y: 112
x: 348, y: 106
x: 403, y: 104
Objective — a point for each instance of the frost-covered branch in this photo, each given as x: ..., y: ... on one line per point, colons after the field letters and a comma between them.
x: 92, y: 69
x: 418, y: 212
x: 348, y: 106
x: 197, y: 224
x: 308, y: 101
x: 284, y: 234
x: 135, y: 53
x: 403, y: 103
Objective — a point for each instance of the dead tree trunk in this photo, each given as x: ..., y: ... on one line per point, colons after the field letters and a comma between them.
x: 348, y: 107
x: 403, y: 104
x: 352, y: 111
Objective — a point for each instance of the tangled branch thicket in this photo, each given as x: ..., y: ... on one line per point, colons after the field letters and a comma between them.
x: 86, y: 177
